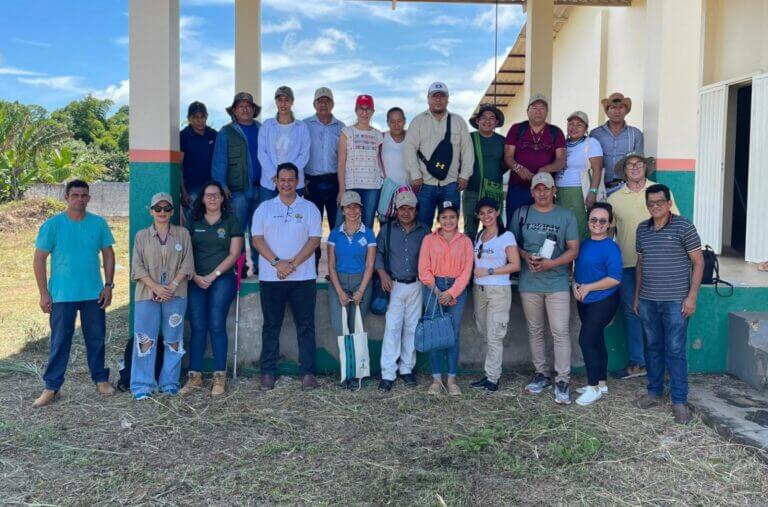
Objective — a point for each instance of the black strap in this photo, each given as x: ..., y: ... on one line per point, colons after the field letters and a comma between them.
x: 523, y: 127
x: 522, y: 217
x: 717, y: 281
x: 447, y: 137
x: 388, y: 236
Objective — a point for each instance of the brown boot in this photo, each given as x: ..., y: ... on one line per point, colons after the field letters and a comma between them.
x: 219, y: 383
x: 47, y: 397
x: 681, y: 413
x: 267, y: 382
x: 647, y: 401
x: 104, y: 389
x: 308, y: 382
x: 194, y: 381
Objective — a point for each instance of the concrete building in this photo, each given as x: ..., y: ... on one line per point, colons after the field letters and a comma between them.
x: 697, y: 71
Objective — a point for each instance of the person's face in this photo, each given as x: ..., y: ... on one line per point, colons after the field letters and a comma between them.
x: 406, y: 214
x: 323, y: 106
x: 658, y: 205
x: 438, y: 102
x: 212, y: 198
x: 598, y: 221
x: 487, y: 122
x: 364, y: 113
x: 537, y: 112
x: 286, y: 182
x: 449, y: 220
x: 634, y: 169
x: 284, y: 104
x: 488, y: 216
x: 576, y: 128
x: 543, y: 195
x: 396, y: 122
x: 77, y: 199
x: 616, y: 112
x: 244, y: 112
x: 352, y: 212
x: 198, y: 121
x: 161, y: 212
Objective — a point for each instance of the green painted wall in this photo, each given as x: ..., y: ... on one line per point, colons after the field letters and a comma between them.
x: 682, y: 185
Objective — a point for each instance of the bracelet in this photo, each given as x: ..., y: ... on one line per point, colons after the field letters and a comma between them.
x: 175, y: 283
x: 593, y: 190
x: 516, y: 168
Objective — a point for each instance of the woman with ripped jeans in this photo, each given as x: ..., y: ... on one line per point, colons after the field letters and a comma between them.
x: 162, y: 265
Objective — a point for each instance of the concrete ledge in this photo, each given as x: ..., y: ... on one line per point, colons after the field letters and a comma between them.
x: 108, y: 198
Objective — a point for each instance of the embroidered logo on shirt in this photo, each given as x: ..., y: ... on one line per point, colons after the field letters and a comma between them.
x: 362, y: 241
x: 221, y: 232
x: 178, y: 247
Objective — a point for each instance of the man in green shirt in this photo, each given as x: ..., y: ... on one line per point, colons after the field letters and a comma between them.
x: 489, y: 165
x: 74, y: 239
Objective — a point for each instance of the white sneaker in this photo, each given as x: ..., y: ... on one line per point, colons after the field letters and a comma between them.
x: 603, y: 389
x: 589, y: 396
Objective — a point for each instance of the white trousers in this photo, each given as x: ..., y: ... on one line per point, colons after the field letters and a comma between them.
x: 402, y: 316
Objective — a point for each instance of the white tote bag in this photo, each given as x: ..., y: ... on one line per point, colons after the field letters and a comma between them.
x: 353, y: 348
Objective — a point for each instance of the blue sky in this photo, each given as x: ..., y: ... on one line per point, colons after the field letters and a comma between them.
x: 52, y: 52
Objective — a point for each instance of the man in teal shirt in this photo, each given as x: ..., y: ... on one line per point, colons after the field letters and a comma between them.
x: 74, y: 239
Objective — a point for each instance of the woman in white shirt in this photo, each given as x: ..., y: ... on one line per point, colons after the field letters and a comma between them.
x: 359, y: 167
x: 580, y: 184
x: 392, y: 149
x: 496, y: 256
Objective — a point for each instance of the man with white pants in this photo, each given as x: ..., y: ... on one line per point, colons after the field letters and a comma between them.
x: 397, y: 263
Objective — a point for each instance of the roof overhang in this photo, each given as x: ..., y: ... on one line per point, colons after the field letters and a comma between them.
x: 595, y: 3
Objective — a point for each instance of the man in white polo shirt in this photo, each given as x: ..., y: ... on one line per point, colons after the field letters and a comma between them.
x: 286, y: 232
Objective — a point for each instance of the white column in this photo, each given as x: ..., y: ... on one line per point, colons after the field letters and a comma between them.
x: 248, y: 48
x: 538, y: 48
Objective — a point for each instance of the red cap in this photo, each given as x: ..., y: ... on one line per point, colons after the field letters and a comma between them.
x: 364, y: 100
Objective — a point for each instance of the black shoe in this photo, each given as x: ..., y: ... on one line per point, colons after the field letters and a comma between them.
x: 348, y: 384
x: 244, y: 273
x: 409, y: 379
x: 386, y: 385
x: 486, y: 384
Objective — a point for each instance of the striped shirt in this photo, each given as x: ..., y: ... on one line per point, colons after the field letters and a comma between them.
x: 665, y: 265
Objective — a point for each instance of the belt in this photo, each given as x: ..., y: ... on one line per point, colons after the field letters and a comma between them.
x: 320, y: 177
x: 406, y: 280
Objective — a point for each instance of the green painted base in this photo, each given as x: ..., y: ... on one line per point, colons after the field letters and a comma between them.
x: 682, y: 185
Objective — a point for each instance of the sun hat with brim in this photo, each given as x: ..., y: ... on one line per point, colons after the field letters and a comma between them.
x: 650, y: 164
x: 488, y: 107
x: 581, y: 115
x: 247, y: 97
x: 487, y: 201
x: 617, y: 98
x: 350, y: 197
x: 160, y: 197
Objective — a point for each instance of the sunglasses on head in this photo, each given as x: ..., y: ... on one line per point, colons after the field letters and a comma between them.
x: 601, y: 221
x: 158, y: 209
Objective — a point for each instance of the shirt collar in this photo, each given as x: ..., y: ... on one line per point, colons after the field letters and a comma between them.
x: 669, y: 222
x: 361, y: 229
x: 170, y: 230
x: 441, y: 238
x: 417, y: 225
x: 607, y: 127
x: 315, y: 119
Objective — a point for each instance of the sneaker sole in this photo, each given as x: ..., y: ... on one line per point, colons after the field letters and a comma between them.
x: 529, y: 391
x: 586, y: 404
x: 563, y: 402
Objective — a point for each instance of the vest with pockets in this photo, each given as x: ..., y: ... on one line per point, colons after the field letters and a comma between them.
x: 237, y: 160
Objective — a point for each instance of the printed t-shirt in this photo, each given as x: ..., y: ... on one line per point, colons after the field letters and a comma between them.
x: 363, y: 168
x: 493, y: 255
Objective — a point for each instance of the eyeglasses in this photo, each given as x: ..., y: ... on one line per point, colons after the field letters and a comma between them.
x: 212, y: 196
x: 165, y: 209
x: 631, y: 165
x: 656, y: 204
x: 601, y: 221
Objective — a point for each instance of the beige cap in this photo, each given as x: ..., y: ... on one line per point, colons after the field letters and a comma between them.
x: 538, y: 97
x: 351, y: 197
x: 323, y: 92
x: 406, y: 198
x: 581, y: 115
x: 161, y: 196
x: 543, y: 179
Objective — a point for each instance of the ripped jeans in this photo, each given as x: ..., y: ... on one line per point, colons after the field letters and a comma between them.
x: 149, y: 318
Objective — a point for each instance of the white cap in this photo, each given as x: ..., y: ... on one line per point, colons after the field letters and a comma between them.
x: 437, y: 87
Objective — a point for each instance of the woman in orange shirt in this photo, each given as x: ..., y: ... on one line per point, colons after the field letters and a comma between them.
x: 445, y: 266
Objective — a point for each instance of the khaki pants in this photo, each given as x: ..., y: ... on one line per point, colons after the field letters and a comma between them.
x: 492, y: 304
x: 558, y: 307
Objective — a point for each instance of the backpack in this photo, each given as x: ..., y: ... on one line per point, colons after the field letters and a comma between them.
x: 440, y: 161
x: 523, y: 127
x: 124, y: 383
x: 711, y: 274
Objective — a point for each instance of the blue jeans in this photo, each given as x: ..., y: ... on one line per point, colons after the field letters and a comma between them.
x: 322, y: 191
x: 243, y: 208
x: 635, y: 342
x: 208, y: 310
x: 430, y: 196
x: 149, y: 317
x: 62, y: 321
x: 370, y: 199
x: 517, y: 196
x: 456, y: 311
x: 666, y: 332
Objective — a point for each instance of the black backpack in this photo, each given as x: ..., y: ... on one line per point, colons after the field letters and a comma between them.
x: 124, y: 383
x: 440, y: 160
x: 523, y: 127
x: 711, y: 275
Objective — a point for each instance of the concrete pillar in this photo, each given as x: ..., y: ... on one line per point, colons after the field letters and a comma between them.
x: 248, y: 48
x: 538, y: 48
x: 671, y: 96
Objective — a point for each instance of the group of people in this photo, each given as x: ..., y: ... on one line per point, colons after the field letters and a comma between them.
x: 582, y: 219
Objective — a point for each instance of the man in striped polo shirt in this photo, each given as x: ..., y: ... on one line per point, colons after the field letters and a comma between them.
x: 669, y: 269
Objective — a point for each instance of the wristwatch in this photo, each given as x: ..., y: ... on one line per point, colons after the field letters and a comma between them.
x: 274, y: 261
x: 111, y: 285
x: 491, y: 271
x: 217, y: 273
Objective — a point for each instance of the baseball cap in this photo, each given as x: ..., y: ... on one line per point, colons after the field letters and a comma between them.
x: 196, y: 107
x: 487, y: 201
x: 545, y: 179
x: 538, y: 97
x: 323, y: 92
x: 406, y: 198
x: 437, y: 87
x: 364, y: 100
x: 581, y: 115
x: 284, y: 91
x: 161, y: 196
x: 350, y: 197
x: 445, y: 205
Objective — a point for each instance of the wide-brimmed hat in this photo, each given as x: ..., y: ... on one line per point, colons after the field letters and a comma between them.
x: 617, y: 98
x: 487, y: 107
x: 650, y: 164
x: 244, y: 96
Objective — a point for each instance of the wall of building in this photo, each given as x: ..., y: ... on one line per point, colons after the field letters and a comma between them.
x: 109, y: 199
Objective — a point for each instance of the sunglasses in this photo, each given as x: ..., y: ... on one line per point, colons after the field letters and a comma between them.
x: 166, y: 209
x: 656, y: 204
x: 480, y: 251
x: 601, y: 221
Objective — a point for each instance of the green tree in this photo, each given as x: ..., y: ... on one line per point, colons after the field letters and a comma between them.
x: 86, y: 118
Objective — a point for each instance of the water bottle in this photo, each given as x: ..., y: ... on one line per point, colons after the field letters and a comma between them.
x: 548, y: 247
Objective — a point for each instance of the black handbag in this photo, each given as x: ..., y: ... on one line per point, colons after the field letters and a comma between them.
x: 711, y: 275
x: 440, y: 160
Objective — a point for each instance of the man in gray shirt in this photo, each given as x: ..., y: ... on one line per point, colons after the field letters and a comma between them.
x: 616, y: 138
x: 397, y: 263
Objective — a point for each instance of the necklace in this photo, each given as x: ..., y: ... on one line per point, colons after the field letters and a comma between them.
x: 537, y: 142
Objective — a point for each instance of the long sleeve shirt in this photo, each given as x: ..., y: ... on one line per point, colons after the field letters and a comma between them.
x: 629, y: 139
x: 439, y: 258
x: 324, y: 149
x: 162, y: 263
x: 298, y: 150
x: 401, y: 247
x: 424, y: 134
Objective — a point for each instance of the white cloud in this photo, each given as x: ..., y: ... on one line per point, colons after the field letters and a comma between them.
x: 448, y: 20
x: 442, y: 46
x: 187, y: 26
x: 121, y: 41
x: 404, y: 14
x: 116, y: 93
x: 313, y: 10
x: 510, y: 16
x: 13, y: 71
x: 203, y: 3
x: 485, y: 71
x: 326, y: 44
x: 339, y: 9
x: 289, y: 25
x: 29, y: 42
x: 69, y: 84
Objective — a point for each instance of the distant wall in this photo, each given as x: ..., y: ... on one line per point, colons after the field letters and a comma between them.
x: 109, y: 199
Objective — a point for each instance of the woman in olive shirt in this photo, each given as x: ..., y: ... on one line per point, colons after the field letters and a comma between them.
x: 217, y: 239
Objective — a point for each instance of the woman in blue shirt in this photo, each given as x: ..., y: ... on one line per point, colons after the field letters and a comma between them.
x: 598, y: 275
x: 351, y: 255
